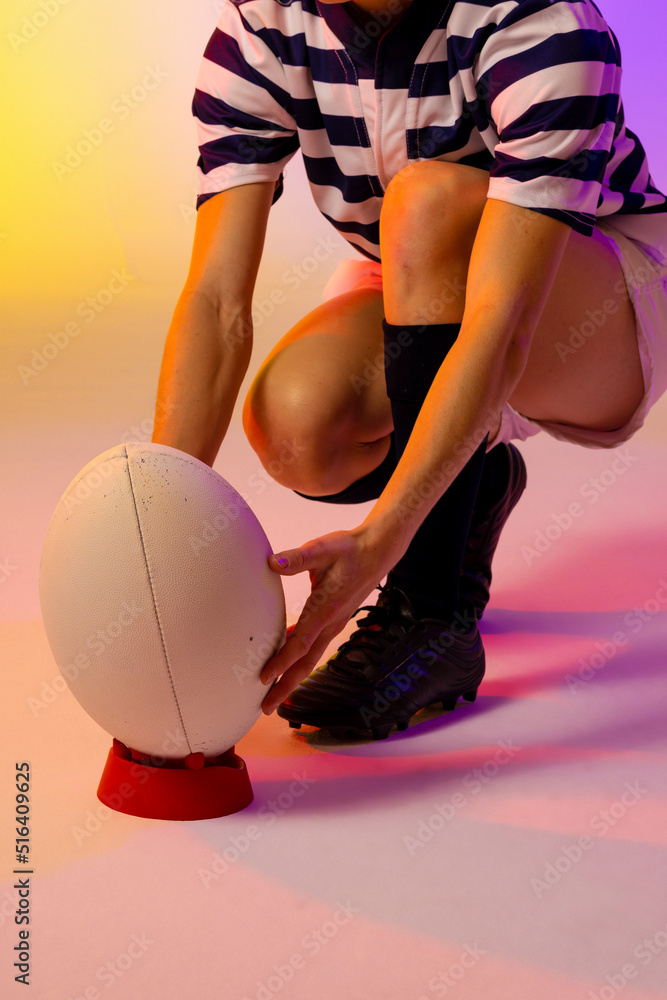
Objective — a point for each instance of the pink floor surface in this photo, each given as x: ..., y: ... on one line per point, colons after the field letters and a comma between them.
x: 513, y: 849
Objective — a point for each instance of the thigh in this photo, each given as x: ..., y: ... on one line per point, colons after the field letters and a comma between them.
x: 584, y: 366
x: 324, y: 382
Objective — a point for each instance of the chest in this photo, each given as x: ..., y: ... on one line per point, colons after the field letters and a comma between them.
x: 375, y: 106
x: 378, y: 110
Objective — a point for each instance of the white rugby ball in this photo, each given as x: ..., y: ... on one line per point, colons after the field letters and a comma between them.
x: 157, y: 601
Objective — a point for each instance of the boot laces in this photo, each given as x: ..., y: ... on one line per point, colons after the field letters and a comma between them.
x: 377, y: 635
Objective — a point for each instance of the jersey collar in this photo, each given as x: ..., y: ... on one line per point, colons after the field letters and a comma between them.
x: 404, y: 40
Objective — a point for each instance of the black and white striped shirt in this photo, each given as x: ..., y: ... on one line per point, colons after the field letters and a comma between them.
x: 526, y: 89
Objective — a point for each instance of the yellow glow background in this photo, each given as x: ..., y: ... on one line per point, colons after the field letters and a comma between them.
x: 131, y: 201
x: 122, y: 204
x: 128, y: 208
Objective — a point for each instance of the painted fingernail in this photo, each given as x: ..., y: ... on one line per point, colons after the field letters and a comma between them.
x: 281, y: 562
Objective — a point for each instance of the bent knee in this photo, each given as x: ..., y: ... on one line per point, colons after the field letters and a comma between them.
x: 293, y: 427
x: 303, y: 447
x: 430, y: 191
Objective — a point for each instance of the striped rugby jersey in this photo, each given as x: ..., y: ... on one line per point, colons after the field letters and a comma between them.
x: 526, y: 89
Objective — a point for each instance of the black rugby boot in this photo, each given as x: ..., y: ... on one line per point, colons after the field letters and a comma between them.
x: 488, y: 520
x: 392, y: 666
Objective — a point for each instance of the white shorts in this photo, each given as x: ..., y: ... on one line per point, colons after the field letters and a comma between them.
x: 646, y: 280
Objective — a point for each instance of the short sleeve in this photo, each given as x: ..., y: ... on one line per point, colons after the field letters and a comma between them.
x: 549, y: 77
x: 243, y: 112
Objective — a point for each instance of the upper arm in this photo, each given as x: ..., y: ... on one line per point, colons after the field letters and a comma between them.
x: 550, y: 80
x: 228, y: 244
x: 514, y: 262
x: 246, y: 132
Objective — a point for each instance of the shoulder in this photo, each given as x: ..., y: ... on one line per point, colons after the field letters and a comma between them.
x: 272, y: 13
x: 266, y: 5
x: 545, y: 30
x: 270, y: 20
x: 556, y: 15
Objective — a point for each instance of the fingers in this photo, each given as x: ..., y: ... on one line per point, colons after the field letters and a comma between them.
x: 323, y: 608
x: 298, y: 644
x: 291, y: 561
x: 312, y: 555
x: 293, y: 649
x: 298, y: 671
x: 334, y: 564
x: 302, y: 648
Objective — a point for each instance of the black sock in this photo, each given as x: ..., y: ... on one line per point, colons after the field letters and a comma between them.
x: 429, y: 571
x: 495, y: 476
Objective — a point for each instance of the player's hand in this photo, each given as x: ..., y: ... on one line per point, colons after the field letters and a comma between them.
x: 344, y: 567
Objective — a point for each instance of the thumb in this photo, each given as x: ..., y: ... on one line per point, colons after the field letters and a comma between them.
x: 292, y: 561
x: 278, y: 561
x: 287, y: 563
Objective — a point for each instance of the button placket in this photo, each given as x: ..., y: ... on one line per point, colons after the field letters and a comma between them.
x: 358, y: 113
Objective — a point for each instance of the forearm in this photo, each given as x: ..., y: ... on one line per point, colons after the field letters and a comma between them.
x: 515, y: 259
x: 463, y: 403
x: 205, y: 359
